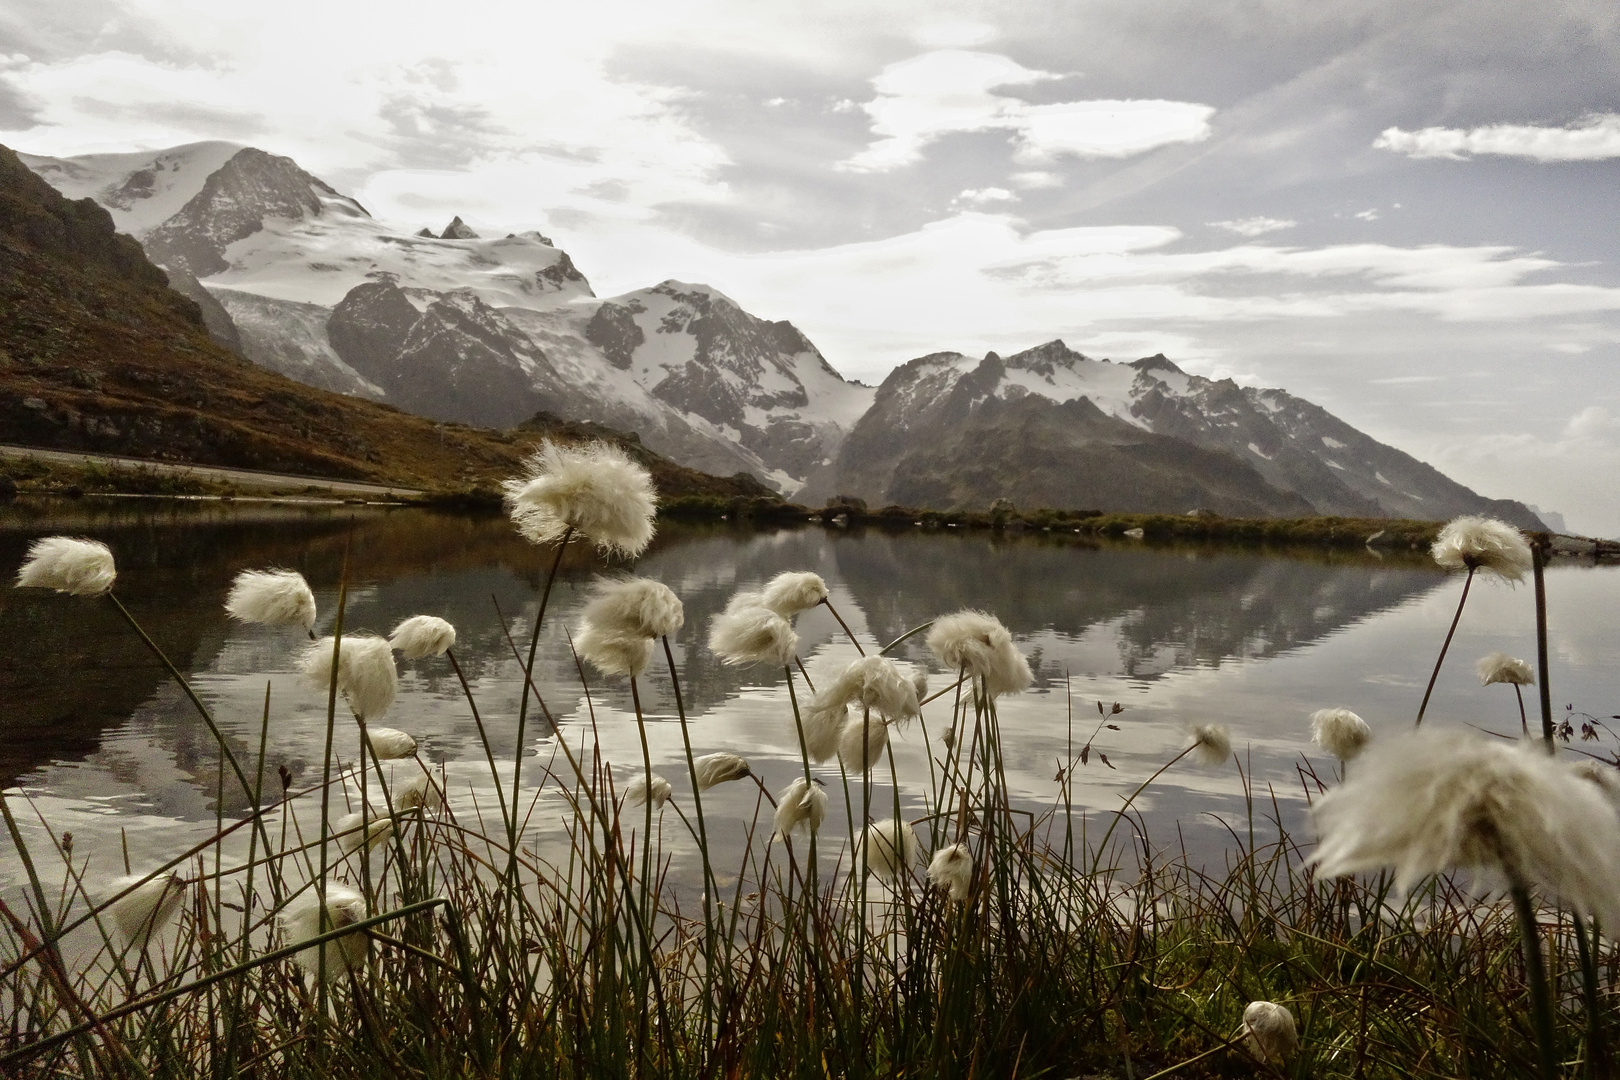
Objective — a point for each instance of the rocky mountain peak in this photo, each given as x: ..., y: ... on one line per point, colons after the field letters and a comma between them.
x: 458, y: 230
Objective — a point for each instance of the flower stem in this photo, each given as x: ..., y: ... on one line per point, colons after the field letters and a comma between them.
x: 1538, y: 560
x: 1540, y: 998
x: 1442, y: 657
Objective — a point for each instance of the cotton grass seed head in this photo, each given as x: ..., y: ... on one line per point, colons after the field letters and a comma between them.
x: 977, y: 642
x: 951, y: 869
x: 1469, y: 543
x: 888, y: 846
x: 389, y: 744
x: 421, y: 636
x: 1211, y: 744
x: 422, y: 791
x: 712, y: 769
x: 1435, y: 800
x: 613, y: 653
x: 802, y: 804
x: 271, y: 598
x: 636, y: 791
x: 861, y: 743
x: 1269, y: 1030
x: 1499, y: 667
x: 301, y: 921
x: 638, y: 607
x: 149, y: 907
x: 752, y: 635
x: 1339, y: 731
x: 794, y: 591
x: 594, y: 489
x: 68, y: 565
x: 366, y: 675
x: 351, y: 837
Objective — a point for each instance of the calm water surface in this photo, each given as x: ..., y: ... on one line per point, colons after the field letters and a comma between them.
x: 106, y: 748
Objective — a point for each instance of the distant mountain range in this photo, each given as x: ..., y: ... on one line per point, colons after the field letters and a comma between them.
x: 490, y: 331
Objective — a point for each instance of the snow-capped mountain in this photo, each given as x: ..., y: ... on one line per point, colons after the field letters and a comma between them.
x: 456, y: 326
x: 1052, y: 427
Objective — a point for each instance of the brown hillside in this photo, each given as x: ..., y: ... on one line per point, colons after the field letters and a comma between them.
x: 97, y: 353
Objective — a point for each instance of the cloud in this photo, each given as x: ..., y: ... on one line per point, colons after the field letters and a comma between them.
x: 1254, y: 226
x: 950, y: 91
x: 985, y: 196
x: 1595, y: 137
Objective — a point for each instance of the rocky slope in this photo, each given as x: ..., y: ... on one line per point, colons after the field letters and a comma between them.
x: 1052, y: 427
x: 98, y: 352
x: 455, y: 326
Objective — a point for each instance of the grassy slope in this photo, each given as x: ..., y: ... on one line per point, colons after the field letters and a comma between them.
x: 97, y: 353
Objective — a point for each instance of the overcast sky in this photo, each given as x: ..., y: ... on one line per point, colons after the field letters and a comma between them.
x: 1406, y: 211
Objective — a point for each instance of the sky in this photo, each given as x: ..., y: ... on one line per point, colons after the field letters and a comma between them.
x: 1404, y: 211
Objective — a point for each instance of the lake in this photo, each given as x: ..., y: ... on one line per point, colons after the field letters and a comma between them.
x: 106, y: 748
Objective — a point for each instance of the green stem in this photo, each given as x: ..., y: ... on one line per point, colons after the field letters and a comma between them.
x: 1447, y: 645
x: 1540, y: 998
x: 1538, y: 561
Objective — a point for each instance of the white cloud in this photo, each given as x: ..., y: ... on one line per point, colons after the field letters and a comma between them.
x: 1367, y: 215
x: 985, y: 196
x: 1254, y: 226
x: 1595, y: 137
x: 952, y: 91
x: 1036, y: 178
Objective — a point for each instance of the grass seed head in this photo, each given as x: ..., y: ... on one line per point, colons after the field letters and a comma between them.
x: 272, y: 598
x: 594, y: 489
x: 1340, y: 732
x: 68, y: 565
x: 794, y: 591
x: 979, y: 643
x: 862, y: 741
x: 302, y: 920
x: 1211, y: 744
x: 1269, y: 1030
x: 1499, y: 667
x: 752, y: 634
x: 389, y: 744
x: 802, y: 804
x: 366, y: 676
x: 149, y: 907
x: 1469, y: 543
x: 422, y: 636
x: 636, y: 791
x: 889, y: 846
x: 951, y: 869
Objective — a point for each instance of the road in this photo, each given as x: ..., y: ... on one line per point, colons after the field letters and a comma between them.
x: 216, y: 473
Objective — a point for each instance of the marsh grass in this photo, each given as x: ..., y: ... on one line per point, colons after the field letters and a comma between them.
x: 498, y: 948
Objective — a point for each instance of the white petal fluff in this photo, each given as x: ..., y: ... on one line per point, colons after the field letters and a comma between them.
x: 272, y: 598
x: 1338, y: 731
x: 388, y: 744
x: 423, y: 635
x: 636, y: 791
x: 752, y: 635
x: 978, y: 642
x: 800, y: 804
x: 149, y: 908
x: 79, y: 567
x: 638, y: 607
x: 789, y: 593
x: 613, y: 653
x: 352, y: 838
x: 872, y: 682
x: 1499, y: 667
x: 1269, y: 1030
x: 301, y: 921
x: 1485, y: 544
x: 1436, y: 800
x: 863, y: 740
x: 366, y: 676
x: 594, y: 489
x: 712, y: 769
x: 1211, y: 745
x: 423, y: 791
x: 951, y: 869
x: 884, y: 856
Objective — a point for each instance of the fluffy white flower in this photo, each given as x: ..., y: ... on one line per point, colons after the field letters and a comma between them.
x: 978, y: 642
x: 636, y: 791
x: 752, y: 635
x: 1338, y: 731
x: 272, y: 598
x: 422, y: 791
x: 872, y: 682
x: 388, y: 743
x: 352, y: 838
x: 1483, y: 543
x: 149, y: 908
x: 79, y: 567
x: 791, y: 592
x: 1432, y: 801
x: 301, y: 921
x: 919, y: 683
x: 951, y: 869
x: 1269, y: 1030
x: 1211, y: 745
x: 595, y: 489
x: 1499, y: 667
x: 800, y: 804
x: 613, y: 653
x: 718, y: 768
x: 863, y: 740
x: 888, y: 846
x: 366, y: 676
x: 638, y: 607
x: 422, y: 636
